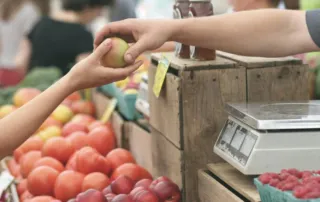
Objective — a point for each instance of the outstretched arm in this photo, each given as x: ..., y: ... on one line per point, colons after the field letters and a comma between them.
x: 267, y: 33
x: 19, y: 125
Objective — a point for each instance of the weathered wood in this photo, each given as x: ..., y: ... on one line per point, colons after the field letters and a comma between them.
x: 259, y: 62
x: 101, y: 102
x: 211, y: 190
x: 165, y: 109
x: 117, y: 124
x: 285, y: 83
x: 166, y: 158
x: 204, y: 94
x: 187, y: 65
x: 139, y: 144
x: 239, y: 182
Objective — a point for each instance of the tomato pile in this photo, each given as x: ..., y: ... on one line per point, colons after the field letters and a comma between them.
x: 302, y: 184
x: 73, y: 157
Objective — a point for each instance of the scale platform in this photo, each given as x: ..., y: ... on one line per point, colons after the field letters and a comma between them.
x: 260, y: 138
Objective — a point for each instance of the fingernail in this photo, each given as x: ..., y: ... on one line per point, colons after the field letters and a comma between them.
x: 128, y: 57
x: 107, y: 42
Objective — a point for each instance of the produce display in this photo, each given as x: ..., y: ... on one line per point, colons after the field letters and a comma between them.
x: 289, y: 185
x: 73, y: 157
x: 39, y: 78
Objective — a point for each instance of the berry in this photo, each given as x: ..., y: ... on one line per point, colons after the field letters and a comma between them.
x: 274, y: 182
x: 265, y: 178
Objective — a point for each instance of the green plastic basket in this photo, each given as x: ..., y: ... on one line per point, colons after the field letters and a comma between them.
x: 271, y: 194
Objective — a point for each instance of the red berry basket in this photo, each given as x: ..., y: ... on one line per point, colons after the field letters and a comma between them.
x: 289, y: 186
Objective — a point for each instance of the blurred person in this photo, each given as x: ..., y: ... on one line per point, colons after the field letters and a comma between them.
x: 17, y: 17
x: 123, y: 9
x: 241, y: 5
x: 62, y: 38
x: 19, y: 125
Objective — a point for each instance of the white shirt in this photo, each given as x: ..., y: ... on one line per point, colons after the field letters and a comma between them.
x: 13, y: 31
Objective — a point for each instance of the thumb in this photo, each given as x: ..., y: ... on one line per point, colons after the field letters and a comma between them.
x: 135, y: 50
x: 101, y: 50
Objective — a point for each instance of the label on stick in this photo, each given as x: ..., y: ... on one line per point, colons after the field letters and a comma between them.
x: 160, y: 76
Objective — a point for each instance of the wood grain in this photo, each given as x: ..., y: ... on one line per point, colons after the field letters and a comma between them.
x: 164, y: 111
x: 204, y: 94
x: 239, y: 182
x: 139, y: 142
x: 259, y: 62
x: 212, y: 191
x: 166, y: 158
x: 189, y: 64
x: 284, y: 83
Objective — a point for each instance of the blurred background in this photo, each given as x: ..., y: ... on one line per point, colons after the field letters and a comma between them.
x: 44, y: 34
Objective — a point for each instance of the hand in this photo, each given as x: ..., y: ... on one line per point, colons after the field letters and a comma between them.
x: 145, y: 34
x: 89, y: 73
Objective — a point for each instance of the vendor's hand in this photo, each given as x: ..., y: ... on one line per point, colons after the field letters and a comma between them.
x: 145, y: 34
x: 90, y: 73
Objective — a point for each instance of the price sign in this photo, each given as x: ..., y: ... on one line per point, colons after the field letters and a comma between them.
x: 238, y: 139
x: 248, y: 145
x: 110, y: 108
x: 160, y: 76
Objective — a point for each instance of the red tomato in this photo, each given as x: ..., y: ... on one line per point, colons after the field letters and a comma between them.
x: 51, y: 162
x: 68, y: 185
x: 119, y: 156
x: 27, y: 162
x: 78, y: 140
x: 58, y: 148
x: 97, y: 181
x: 102, y: 139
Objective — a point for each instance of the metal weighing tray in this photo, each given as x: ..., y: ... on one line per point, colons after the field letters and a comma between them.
x: 277, y: 116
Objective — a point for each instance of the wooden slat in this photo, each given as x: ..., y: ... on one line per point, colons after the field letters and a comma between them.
x: 285, y: 83
x: 189, y: 64
x: 204, y: 94
x: 212, y: 191
x: 239, y: 182
x: 164, y: 111
x: 166, y: 158
x: 140, y: 146
x: 117, y: 125
x: 259, y: 62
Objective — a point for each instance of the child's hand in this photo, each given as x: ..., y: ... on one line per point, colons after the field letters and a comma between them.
x: 89, y: 73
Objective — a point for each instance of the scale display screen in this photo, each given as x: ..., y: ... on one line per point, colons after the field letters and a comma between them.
x: 237, y: 142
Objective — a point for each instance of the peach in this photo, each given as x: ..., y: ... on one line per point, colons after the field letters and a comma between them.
x: 62, y: 113
x: 145, y: 183
x: 115, y: 57
x: 83, y: 107
x: 5, y: 110
x: 72, y: 127
x: 24, y: 95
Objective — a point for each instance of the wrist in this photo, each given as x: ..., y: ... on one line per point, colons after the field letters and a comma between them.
x: 67, y: 84
x: 177, y: 29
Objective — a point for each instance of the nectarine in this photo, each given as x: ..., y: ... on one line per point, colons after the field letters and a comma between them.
x: 115, y: 57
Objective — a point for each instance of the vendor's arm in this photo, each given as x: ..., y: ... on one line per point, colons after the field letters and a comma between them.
x: 268, y: 33
x: 19, y: 125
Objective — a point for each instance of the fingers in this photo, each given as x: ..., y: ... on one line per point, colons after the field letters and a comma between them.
x: 120, y: 29
x: 101, y: 50
x: 121, y: 73
x: 136, y: 49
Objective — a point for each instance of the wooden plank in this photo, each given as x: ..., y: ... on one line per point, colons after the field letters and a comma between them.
x: 189, y: 64
x: 212, y: 191
x: 204, y: 94
x: 259, y: 62
x: 285, y: 83
x: 140, y: 146
x: 100, y: 101
x: 117, y: 125
x: 164, y: 111
x: 166, y: 158
x: 239, y: 182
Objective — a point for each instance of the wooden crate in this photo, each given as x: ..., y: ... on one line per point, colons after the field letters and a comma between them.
x: 138, y: 142
x: 221, y: 182
x: 189, y: 112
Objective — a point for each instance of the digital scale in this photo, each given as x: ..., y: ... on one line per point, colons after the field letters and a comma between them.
x: 142, y: 103
x: 259, y: 138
